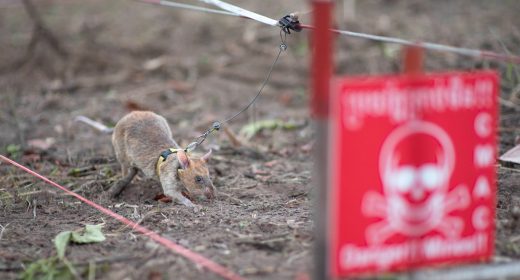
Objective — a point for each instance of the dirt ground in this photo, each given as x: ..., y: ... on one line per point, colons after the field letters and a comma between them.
x: 111, y: 57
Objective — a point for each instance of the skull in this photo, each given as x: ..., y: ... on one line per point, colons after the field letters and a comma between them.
x: 415, y: 165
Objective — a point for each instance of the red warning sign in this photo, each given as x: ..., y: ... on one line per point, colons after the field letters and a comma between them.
x: 413, y: 180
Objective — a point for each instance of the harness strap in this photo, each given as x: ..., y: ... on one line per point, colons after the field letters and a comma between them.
x: 164, y: 155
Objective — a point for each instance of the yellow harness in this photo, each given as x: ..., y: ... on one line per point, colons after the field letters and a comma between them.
x: 163, y: 157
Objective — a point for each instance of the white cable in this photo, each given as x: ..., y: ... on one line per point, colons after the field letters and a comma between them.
x: 426, y: 45
x: 195, y: 8
x: 243, y: 12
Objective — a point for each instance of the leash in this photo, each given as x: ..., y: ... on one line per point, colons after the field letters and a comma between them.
x: 286, y: 24
x: 218, y: 124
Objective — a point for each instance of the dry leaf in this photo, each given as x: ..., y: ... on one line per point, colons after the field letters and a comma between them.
x: 154, y: 64
x: 42, y: 144
x: 134, y: 106
x: 162, y: 198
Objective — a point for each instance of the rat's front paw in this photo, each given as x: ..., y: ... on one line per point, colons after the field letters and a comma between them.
x: 187, y: 202
x: 197, y: 208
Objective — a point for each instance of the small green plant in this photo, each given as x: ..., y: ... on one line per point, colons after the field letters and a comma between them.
x: 91, y: 234
x: 50, y: 268
x: 251, y: 129
x: 58, y: 267
x: 107, y: 172
x: 13, y: 150
x: 512, y: 75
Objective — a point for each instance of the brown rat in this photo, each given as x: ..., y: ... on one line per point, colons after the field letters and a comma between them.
x: 143, y: 141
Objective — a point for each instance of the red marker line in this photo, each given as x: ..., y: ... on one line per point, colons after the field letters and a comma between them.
x: 194, y: 257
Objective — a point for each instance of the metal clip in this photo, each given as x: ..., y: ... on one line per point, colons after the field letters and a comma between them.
x: 216, y: 126
x: 192, y: 146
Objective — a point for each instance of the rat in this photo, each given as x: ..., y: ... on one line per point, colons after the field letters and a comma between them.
x: 142, y: 140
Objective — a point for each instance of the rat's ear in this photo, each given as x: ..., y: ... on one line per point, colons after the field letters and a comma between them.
x: 183, y: 159
x: 205, y: 157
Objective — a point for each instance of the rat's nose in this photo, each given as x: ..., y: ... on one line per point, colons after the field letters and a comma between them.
x: 209, y: 192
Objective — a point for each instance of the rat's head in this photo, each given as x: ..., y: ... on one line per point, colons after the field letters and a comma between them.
x: 194, y: 175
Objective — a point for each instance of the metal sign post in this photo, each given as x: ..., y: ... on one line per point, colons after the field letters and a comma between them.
x: 321, y: 65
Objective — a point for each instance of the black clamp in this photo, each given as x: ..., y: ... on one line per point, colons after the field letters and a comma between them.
x: 290, y: 22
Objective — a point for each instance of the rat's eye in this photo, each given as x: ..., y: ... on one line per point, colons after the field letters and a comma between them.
x: 198, y: 179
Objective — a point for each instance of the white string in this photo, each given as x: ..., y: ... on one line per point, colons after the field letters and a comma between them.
x: 426, y: 45
x: 195, y: 8
x: 243, y: 12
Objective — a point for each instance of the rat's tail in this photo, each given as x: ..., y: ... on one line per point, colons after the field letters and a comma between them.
x: 97, y: 125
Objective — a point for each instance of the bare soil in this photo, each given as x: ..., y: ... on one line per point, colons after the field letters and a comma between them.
x: 193, y: 68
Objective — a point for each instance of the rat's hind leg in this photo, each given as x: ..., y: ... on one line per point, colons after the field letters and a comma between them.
x: 118, y: 187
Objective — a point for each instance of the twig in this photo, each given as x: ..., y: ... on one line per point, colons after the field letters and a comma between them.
x: 236, y: 200
x: 71, y: 269
x: 2, y: 230
x: 253, y: 185
x: 149, y: 213
x: 87, y: 184
x: 84, y: 263
x: 509, y: 104
x: 504, y: 47
x: 244, y: 236
x: 514, y: 93
x: 42, y: 30
x: 297, y: 256
x: 91, y: 270
x: 510, y: 169
x: 35, y: 202
x: 235, y: 179
x: 509, y: 129
x: 513, y: 239
x: 35, y: 192
x: 233, y: 138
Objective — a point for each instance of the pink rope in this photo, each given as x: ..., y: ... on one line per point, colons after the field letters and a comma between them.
x: 194, y: 257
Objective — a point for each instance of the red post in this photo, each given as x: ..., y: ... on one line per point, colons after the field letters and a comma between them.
x: 413, y: 66
x: 321, y: 65
x: 413, y: 59
x: 321, y: 58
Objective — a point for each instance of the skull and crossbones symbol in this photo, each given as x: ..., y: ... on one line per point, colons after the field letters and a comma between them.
x: 415, y: 166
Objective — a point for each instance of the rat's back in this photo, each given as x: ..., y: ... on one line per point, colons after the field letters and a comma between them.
x: 139, y: 137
